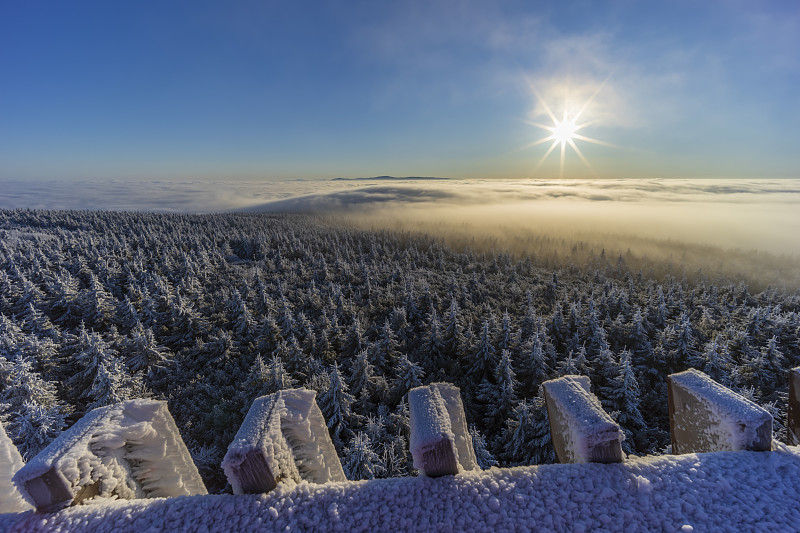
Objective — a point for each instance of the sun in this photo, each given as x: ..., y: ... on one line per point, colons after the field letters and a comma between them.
x: 564, y: 132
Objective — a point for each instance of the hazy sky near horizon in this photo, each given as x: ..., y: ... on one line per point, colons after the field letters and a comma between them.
x: 261, y: 90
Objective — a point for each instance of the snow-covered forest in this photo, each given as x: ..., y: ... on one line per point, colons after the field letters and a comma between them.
x: 209, y: 312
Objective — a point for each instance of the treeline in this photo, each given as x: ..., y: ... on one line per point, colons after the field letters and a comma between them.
x: 209, y: 312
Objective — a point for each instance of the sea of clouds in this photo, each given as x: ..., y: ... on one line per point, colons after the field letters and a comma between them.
x: 744, y: 214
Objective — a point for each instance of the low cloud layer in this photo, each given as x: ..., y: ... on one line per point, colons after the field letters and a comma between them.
x: 745, y: 214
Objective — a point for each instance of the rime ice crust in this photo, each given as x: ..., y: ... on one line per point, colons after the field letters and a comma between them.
x: 283, y: 436
x: 10, y: 461
x: 582, y: 431
x: 128, y: 450
x: 305, y: 429
x: 440, y: 442
x: 708, y: 417
x: 719, y: 492
x: 451, y: 396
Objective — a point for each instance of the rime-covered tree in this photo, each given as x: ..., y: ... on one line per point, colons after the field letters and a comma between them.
x: 504, y: 336
x: 98, y: 306
x: 482, y: 454
x: 567, y: 366
x: 37, y: 323
x: 100, y: 377
x: 241, y: 320
x: 29, y: 405
x: 500, y: 397
x: 267, y: 378
x: 526, y: 436
x: 335, y: 404
x: 483, y: 358
x: 621, y: 397
x: 714, y: 360
x: 433, y: 348
x: 535, y: 368
x: 453, y: 336
x: 362, y: 375
x: 354, y: 343
x: 384, y: 351
x: 408, y: 375
x: 143, y: 353
x: 360, y: 459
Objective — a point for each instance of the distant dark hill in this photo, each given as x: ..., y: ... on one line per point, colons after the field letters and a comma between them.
x: 362, y: 198
x: 393, y: 178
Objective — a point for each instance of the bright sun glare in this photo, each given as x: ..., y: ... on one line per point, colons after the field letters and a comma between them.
x: 565, y: 132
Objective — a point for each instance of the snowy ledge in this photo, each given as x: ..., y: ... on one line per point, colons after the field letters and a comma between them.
x: 722, y: 491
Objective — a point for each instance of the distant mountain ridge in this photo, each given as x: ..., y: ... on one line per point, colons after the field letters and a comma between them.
x: 393, y: 178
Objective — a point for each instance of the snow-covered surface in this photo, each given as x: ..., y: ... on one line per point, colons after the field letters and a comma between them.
x: 10, y: 461
x: 131, y: 449
x: 710, y: 417
x: 725, y: 491
x: 288, y: 428
x: 432, y: 438
x: 305, y: 429
x: 458, y: 423
x: 579, y: 418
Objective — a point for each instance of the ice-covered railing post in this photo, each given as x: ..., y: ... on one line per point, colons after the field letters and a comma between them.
x: 131, y: 449
x: 705, y: 416
x: 794, y: 407
x: 283, y: 436
x: 581, y: 430
x: 10, y: 461
x: 440, y: 442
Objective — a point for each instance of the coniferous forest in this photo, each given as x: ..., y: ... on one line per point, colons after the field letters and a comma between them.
x: 209, y: 312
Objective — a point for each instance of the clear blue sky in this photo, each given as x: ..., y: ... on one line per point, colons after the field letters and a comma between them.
x: 265, y: 90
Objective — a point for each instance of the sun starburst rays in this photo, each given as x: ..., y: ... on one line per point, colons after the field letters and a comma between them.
x: 564, y: 132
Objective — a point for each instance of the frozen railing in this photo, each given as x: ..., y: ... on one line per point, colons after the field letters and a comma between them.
x: 283, y: 436
x: 705, y: 416
x: 794, y: 407
x: 440, y: 442
x: 581, y: 431
x: 10, y: 461
x: 127, y: 450
x: 133, y: 449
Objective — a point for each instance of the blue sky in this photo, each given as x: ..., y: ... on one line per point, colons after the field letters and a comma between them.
x: 254, y: 90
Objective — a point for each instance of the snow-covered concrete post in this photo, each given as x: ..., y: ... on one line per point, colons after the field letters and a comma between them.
x: 283, y: 436
x: 794, y: 406
x: 10, y: 461
x: 581, y: 430
x: 131, y: 449
x: 705, y: 416
x: 440, y: 441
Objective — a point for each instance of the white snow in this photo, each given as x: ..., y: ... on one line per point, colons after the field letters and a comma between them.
x: 723, y: 491
x: 432, y: 441
x: 288, y: 428
x: 131, y: 449
x: 10, y: 461
x: 579, y: 418
x: 305, y: 429
x: 458, y: 423
x: 710, y: 417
